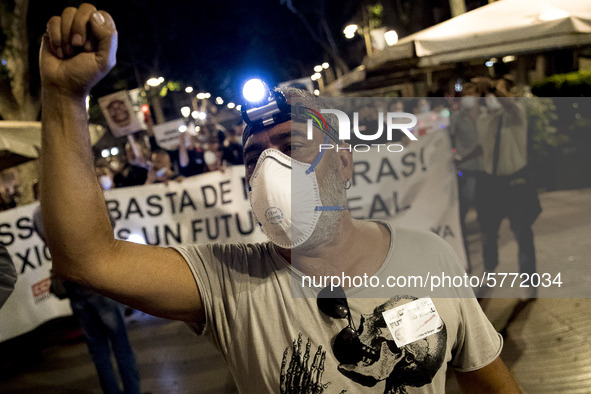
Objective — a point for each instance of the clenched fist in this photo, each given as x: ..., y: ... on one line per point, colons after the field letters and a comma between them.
x: 78, y: 50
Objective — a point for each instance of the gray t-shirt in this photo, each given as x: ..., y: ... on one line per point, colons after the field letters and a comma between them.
x: 274, y: 342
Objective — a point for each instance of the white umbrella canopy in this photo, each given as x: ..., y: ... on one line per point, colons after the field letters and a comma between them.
x: 21, y: 141
x: 505, y: 27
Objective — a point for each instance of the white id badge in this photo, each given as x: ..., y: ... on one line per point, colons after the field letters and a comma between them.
x: 413, y: 321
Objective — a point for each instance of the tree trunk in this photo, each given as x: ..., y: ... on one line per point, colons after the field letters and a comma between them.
x: 457, y: 7
x: 17, y: 102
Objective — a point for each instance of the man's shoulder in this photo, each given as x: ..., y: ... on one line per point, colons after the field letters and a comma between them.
x: 227, y: 251
x: 408, y: 237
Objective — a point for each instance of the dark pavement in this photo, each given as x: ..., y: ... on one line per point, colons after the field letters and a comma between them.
x: 547, y: 340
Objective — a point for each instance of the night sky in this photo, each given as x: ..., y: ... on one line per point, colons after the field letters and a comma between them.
x: 213, y: 46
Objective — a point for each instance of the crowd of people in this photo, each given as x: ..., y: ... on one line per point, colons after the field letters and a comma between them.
x: 148, y: 163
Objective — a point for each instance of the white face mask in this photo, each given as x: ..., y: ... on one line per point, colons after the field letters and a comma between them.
x: 493, y: 103
x: 161, y: 172
x: 468, y: 102
x: 106, y: 182
x: 288, y: 217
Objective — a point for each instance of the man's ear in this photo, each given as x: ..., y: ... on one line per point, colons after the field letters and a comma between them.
x: 345, y: 161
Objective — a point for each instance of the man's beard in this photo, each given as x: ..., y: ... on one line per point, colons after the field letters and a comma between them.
x: 332, y: 193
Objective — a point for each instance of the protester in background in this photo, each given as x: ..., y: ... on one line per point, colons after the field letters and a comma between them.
x: 160, y: 170
x: 505, y: 190
x: 238, y: 130
x: 7, y: 275
x: 467, y: 156
x: 397, y: 135
x: 191, y: 156
x: 396, y: 106
x: 212, y: 155
x: 231, y: 151
x: 135, y: 171
x: 101, y: 320
x: 105, y: 176
x: 10, y: 190
x: 173, y: 154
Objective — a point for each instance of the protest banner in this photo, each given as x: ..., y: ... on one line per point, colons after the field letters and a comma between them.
x: 168, y: 134
x: 121, y: 116
x: 414, y: 188
x: 31, y: 303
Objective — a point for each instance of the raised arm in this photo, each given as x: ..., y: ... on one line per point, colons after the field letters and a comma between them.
x: 77, y: 51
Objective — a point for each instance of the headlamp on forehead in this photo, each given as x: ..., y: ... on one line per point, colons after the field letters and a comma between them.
x: 265, y: 108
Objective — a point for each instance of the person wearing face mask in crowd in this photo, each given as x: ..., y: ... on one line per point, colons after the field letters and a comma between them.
x: 160, y: 170
x: 240, y: 294
x: 467, y: 155
x: 104, y: 175
x: 505, y: 191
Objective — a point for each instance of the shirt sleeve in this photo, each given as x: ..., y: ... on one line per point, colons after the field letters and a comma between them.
x: 478, y: 343
x: 219, y: 271
x: 7, y: 275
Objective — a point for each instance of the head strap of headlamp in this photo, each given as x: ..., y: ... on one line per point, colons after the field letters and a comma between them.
x: 275, y: 111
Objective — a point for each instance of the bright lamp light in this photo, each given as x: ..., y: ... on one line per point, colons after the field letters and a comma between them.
x: 350, y: 31
x: 391, y: 37
x: 255, y: 91
x: 155, y: 81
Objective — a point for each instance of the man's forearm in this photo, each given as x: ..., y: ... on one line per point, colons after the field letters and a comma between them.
x: 77, y: 225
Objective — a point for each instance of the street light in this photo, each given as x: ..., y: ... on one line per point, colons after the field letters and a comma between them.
x: 195, y: 114
x: 350, y: 31
x: 186, y: 111
x: 155, y: 81
x: 391, y: 37
x: 318, y: 69
x: 231, y: 105
x: 316, y: 76
x: 325, y: 65
x: 219, y: 100
x: 189, y: 89
x: 201, y: 96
